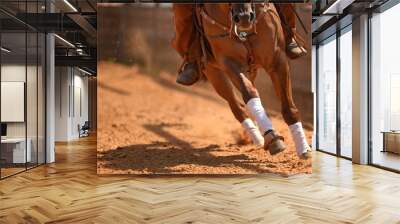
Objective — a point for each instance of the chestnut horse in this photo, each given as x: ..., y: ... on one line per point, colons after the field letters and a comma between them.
x: 243, y: 37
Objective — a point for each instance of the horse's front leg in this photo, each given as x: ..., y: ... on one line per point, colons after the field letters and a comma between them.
x: 280, y: 76
x: 272, y: 141
x: 224, y: 88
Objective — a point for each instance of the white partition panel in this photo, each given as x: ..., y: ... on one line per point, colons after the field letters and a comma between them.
x: 12, y: 101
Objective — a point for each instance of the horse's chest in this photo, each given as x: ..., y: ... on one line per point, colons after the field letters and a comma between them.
x: 236, y: 48
x: 228, y: 46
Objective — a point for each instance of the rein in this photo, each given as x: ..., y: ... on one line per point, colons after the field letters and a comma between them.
x: 209, y: 19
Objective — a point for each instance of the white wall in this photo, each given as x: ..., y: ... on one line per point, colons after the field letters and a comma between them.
x: 71, y: 94
x: 81, y: 102
x: 33, y: 126
x: 16, y: 73
x: 62, y: 81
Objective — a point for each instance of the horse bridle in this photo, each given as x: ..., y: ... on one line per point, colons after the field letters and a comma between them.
x: 230, y: 31
x: 242, y: 36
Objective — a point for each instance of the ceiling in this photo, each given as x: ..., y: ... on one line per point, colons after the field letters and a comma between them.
x: 332, y: 15
x: 74, y: 22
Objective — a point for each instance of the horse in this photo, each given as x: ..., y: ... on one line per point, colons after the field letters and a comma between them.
x: 242, y: 38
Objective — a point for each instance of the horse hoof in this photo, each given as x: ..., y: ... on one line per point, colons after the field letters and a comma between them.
x: 306, y: 155
x: 273, y: 142
x: 276, y: 147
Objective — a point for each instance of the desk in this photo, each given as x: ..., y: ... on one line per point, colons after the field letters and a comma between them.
x: 391, y: 141
x: 13, y: 150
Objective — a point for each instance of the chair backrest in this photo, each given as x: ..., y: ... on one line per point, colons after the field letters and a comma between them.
x: 86, y: 125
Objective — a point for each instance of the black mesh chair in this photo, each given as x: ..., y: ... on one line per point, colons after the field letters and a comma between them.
x: 84, y: 130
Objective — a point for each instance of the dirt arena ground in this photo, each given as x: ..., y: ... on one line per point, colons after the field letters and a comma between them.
x: 147, y: 124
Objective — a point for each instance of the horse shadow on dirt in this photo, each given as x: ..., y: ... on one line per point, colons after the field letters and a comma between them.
x: 160, y: 157
x: 112, y: 89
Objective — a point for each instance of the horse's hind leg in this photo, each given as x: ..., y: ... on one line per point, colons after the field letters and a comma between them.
x: 280, y: 76
x: 224, y: 88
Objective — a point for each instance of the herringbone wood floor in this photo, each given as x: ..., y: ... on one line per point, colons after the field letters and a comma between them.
x: 70, y: 191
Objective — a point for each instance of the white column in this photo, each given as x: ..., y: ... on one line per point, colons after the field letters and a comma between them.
x: 50, y: 92
x: 314, y: 92
x: 50, y: 100
x: 360, y: 90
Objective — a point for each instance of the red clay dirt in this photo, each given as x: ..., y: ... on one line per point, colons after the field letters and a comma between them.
x: 147, y: 124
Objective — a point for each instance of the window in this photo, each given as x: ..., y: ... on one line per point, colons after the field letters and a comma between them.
x: 22, y: 77
x: 334, y: 58
x: 327, y: 96
x: 346, y: 74
x: 385, y: 89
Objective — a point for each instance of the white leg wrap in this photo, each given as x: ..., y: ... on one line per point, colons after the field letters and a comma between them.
x: 256, y: 109
x: 299, y: 138
x: 253, y: 132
